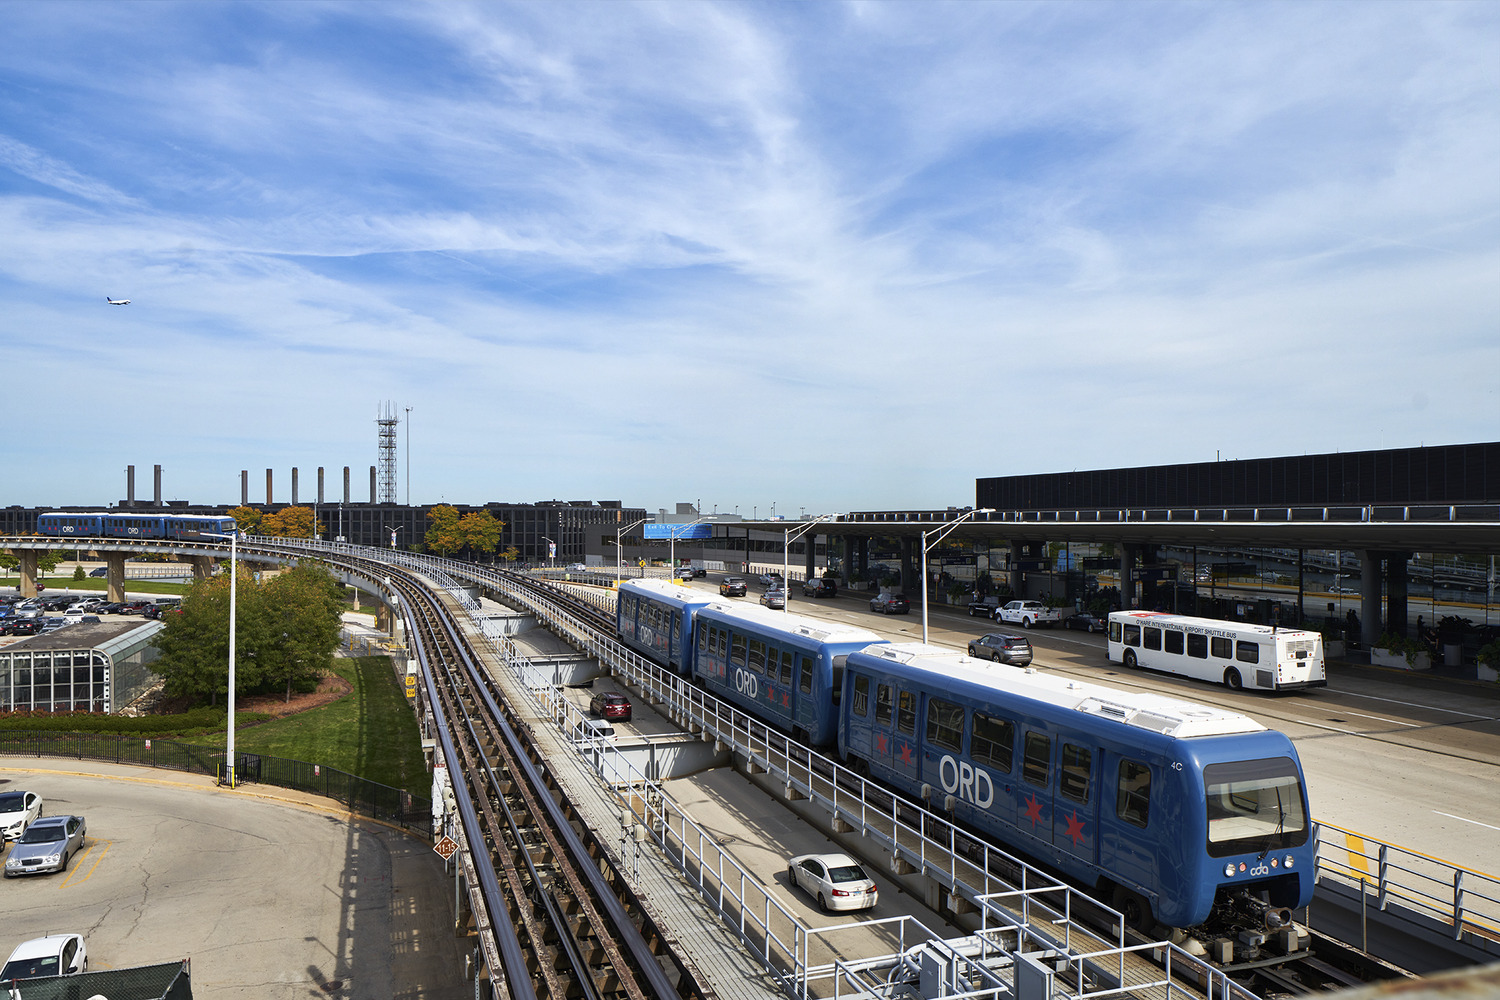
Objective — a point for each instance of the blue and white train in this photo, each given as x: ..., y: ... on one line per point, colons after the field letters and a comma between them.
x: 1178, y: 813
x: 1163, y: 806
x: 118, y: 524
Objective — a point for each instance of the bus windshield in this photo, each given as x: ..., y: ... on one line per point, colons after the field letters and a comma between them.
x: 1254, y: 805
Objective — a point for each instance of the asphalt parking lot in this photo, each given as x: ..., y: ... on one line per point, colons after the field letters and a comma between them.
x: 270, y: 894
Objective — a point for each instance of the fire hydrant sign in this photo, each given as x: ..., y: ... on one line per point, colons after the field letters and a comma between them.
x: 446, y: 847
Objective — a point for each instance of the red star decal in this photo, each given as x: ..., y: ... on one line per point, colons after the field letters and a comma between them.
x: 906, y: 755
x: 882, y: 745
x: 1075, y: 828
x: 786, y: 699
x: 1033, y: 810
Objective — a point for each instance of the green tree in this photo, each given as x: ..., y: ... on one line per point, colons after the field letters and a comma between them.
x: 286, y: 631
x: 443, y: 534
x: 480, y: 531
x: 511, y: 554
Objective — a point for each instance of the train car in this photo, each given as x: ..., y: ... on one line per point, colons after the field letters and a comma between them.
x: 120, y: 524
x: 1238, y: 654
x: 63, y: 525
x: 655, y: 618
x: 786, y: 669
x: 1171, y: 810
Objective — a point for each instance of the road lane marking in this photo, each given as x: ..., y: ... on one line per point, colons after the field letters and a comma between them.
x: 1379, y: 718
x: 1462, y: 819
x: 76, y: 865
x: 1411, y: 704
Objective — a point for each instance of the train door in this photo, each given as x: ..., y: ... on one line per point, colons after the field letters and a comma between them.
x: 905, y: 752
x: 1130, y: 847
x: 674, y: 639
x: 857, y: 716
x: 882, y: 730
x: 1034, y: 801
x: 1075, y: 818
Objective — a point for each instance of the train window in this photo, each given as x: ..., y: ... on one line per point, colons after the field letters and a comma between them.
x: 1172, y: 641
x: 1132, y: 635
x: 1247, y: 652
x: 704, y: 641
x: 993, y: 742
x: 786, y: 668
x: 1036, y: 759
x: 1133, y: 796
x: 1221, y: 647
x: 906, y: 713
x: 861, y: 706
x: 804, y: 680
x: 838, y: 678
x: 1152, y: 638
x: 757, y: 656
x: 1254, y: 805
x: 945, y: 725
x: 737, y: 650
x: 883, y: 704
x: 1197, y: 645
x: 723, y: 640
x: 1076, y: 764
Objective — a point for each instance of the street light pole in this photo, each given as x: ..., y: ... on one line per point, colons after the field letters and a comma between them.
x: 790, y: 535
x: 940, y: 533
x: 552, y: 547
x: 618, y: 548
x: 233, y: 580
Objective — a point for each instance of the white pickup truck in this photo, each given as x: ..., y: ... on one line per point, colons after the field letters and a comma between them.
x: 1028, y: 613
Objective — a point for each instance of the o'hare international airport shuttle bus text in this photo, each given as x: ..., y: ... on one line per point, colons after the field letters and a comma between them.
x: 1242, y: 656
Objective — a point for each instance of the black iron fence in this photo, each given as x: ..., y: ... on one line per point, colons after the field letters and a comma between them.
x: 358, y: 795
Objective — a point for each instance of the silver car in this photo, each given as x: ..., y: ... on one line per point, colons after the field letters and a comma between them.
x: 46, y: 846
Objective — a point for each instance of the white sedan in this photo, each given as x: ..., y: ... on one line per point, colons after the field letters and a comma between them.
x: 835, y: 880
x: 42, y: 958
x: 17, y: 810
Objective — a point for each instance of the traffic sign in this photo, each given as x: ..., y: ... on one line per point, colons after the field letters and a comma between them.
x: 446, y: 847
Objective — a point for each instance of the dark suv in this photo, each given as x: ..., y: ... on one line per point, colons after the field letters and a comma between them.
x: 819, y: 587
x: 890, y: 604
x: 732, y: 586
x: 1012, y: 649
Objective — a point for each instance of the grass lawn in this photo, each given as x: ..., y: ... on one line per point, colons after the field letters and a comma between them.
x: 371, y: 732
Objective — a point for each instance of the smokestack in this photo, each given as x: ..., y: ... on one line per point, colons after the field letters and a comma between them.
x: 244, y: 487
x: 130, y: 486
x: 294, y: 486
x: 320, y: 486
x: 268, y: 488
x: 372, y: 484
x: 158, y: 486
x: 346, y: 484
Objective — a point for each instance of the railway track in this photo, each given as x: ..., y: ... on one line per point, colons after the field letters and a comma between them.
x: 561, y: 922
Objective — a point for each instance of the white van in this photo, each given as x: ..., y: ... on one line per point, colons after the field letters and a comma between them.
x: 592, y: 731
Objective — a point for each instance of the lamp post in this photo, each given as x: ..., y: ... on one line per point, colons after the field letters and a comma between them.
x: 939, y: 534
x: 233, y: 579
x: 393, y: 533
x: 672, y: 539
x: 789, y: 535
x: 618, y: 549
x: 551, y: 549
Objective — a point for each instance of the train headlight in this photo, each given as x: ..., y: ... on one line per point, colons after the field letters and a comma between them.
x: 1229, y: 870
x: 1288, y: 862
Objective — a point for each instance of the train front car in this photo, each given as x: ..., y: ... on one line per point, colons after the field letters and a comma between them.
x: 1174, y: 813
x: 193, y: 526
x: 785, y: 669
x: 655, y: 618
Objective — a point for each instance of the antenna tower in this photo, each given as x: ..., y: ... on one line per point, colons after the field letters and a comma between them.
x: 386, y: 479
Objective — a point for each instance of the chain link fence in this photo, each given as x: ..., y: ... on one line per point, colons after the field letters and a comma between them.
x: 359, y: 795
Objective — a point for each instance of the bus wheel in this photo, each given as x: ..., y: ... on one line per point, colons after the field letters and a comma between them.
x: 1232, y: 679
x: 1130, y: 659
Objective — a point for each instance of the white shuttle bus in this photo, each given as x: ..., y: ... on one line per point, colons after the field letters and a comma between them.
x: 1261, y: 657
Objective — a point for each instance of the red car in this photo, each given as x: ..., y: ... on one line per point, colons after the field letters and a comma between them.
x: 610, y: 705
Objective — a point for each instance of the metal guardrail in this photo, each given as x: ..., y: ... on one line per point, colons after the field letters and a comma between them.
x: 1345, y: 514
x: 1462, y: 900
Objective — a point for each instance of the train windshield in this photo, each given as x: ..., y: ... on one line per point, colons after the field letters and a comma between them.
x: 1254, y: 806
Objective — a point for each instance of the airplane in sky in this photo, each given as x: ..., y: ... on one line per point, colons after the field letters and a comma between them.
x: 116, y: 302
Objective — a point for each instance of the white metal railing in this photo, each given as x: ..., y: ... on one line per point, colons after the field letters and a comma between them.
x: 1462, y: 900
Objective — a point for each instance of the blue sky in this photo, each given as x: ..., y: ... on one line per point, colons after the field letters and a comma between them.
x: 828, y: 256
